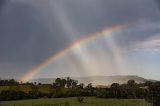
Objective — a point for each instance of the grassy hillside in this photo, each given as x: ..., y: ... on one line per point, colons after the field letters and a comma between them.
x: 89, y: 101
x: 27, y: 88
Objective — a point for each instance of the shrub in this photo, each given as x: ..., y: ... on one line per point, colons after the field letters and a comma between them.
x: 80, y: 99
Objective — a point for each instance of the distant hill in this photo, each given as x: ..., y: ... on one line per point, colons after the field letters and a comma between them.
x: 98, y: 80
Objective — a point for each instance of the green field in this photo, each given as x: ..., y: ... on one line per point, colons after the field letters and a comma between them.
x: 88, y: 101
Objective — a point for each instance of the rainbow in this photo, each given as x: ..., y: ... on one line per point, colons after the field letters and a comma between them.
x: 76, y: 44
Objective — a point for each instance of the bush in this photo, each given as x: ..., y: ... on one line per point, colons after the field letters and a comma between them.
x: 102, y: 93
x: 80, y: 99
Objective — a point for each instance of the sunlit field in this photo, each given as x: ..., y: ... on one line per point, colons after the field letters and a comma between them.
x: 88, y: 101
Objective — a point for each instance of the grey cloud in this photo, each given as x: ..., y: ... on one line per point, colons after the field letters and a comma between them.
x: 157, y: 2
x: 152, y: 44
x: 94, y: 15
x: 24, y: 36
x: 136, y: 33
x: 2, y: 3
x: 31, y: 31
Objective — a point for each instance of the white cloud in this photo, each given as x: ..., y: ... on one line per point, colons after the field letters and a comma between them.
x: 152, y: 43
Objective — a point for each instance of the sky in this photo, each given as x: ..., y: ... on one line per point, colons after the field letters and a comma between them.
x: 33, y: 30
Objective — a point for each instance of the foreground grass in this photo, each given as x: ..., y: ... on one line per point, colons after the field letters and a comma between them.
x: 88, y: 101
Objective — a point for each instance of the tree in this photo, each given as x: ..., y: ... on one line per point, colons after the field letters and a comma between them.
x: 63, y: 83
x: 141, y: 93
x: 148, y: 83
x: 74, y: 83
x: 81, y: 86
x: 154, y: 94
x: 59, y: 83
x: 69, y: 82
x: 89, y: 86
x: 115, y: 89
x: 132, y: 88
x: 131, y: 83
x: 10, y: 82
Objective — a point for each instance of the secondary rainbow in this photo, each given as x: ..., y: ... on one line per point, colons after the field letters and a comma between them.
x: 76, y: 44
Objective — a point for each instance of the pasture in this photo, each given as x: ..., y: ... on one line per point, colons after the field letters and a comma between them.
x: 72, y: 101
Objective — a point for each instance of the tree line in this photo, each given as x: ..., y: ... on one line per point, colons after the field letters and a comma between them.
x: 71, y: 88
x: 9, y: 82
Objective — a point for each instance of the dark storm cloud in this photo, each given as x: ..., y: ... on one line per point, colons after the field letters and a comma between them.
x: 32, y: 30
x: 24, y: 36
x: 2, y: 3
x: 157, y: 2
x: 25, y: 39
x: 91, y: 15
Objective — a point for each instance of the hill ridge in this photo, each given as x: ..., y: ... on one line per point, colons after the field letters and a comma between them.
x: 98, y: 80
